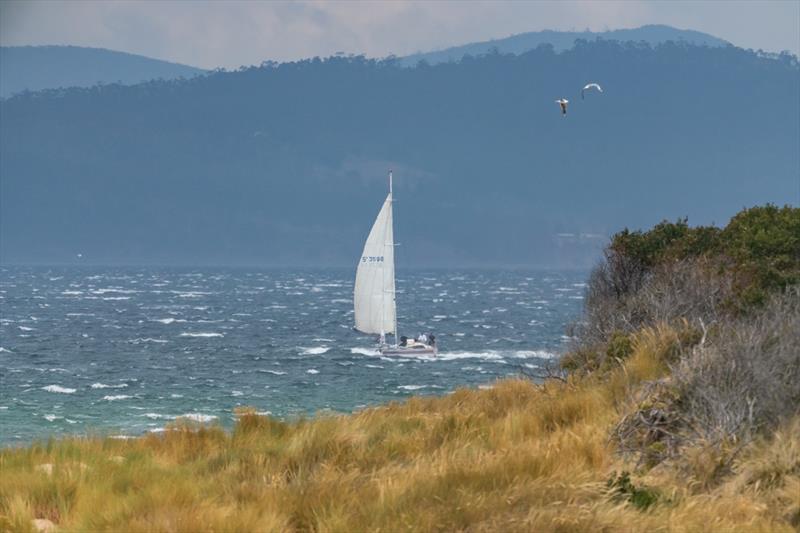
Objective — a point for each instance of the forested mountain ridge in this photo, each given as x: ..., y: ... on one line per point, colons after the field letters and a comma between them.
x: 286, y: 163
x: 35, y: 68
x: 652, y: 34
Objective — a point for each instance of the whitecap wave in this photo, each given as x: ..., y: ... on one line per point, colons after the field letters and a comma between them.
x: 147, y: 339
x: 113, y: 289
x: 59, y: 389
x: 104, y: 386
x: 198, y: 417
x: 412, y: 387
x: 312, y: 371
x: 202, y: 335
x: 364, y: 351
x: 274, y: 372
x: 538, y: 354
x: 116, y: 397
x: 158, y: 416
x: 169, y: 320
x: 452, y: 356
x: 191, y: 294
x: 316, y: 350
x: 497, y: 355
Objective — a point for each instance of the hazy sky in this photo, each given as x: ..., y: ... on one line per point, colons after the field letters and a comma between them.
x: 231, y: 33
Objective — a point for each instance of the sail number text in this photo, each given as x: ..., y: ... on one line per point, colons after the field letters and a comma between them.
x: 372, y: 259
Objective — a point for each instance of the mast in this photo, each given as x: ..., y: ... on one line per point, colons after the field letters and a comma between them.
x: 394, y: 276
x: 383, y: 271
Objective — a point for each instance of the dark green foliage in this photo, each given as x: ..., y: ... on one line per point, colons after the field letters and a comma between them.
x: 666, y: 242
x: 674, y: 273
x: 763, y: 244
x: 619, y: 346
x: 760, y: 246
x: 650, y: 247
x: 618, y: 349
x: 580, y: 359
x: 622, y: 489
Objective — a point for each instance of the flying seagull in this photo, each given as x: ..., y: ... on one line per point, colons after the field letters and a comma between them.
x: 590, y: 86
x: 563, y: 103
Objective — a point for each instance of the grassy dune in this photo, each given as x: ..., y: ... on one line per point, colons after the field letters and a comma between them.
x: 516, y: 457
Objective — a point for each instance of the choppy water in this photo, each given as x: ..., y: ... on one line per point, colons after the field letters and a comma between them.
x: 124, y: 351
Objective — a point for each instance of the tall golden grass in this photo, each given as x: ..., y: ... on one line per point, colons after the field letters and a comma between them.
x: 516, y: 457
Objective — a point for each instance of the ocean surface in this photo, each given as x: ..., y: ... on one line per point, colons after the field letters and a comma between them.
x: 124, y: 351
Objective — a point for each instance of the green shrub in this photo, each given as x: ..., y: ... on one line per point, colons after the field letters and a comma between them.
x: 622, y: 489
x: 619, y: 346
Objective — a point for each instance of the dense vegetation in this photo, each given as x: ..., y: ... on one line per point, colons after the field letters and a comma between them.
x: 681, y: 417
x: 286, y: 163
x: 732, y: 297
x: 652, y: 34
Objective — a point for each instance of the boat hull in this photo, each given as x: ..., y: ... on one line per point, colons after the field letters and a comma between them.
x: 408, y: 350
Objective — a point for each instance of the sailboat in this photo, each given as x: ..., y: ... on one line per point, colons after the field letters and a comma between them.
x: 374, y: 295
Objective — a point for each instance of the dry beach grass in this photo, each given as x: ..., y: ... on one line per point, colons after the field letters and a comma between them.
x: 516, y: 457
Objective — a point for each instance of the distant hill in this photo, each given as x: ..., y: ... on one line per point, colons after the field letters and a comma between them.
x: 286, y: 164
x: 50, y: 67
x: 563, y: 40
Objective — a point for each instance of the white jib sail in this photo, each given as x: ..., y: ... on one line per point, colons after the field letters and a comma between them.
x: 373, y: 297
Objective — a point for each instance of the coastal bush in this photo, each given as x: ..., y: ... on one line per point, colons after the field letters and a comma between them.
x: 747, y: 379
x: 674, y: 271
x: 711, y: 318
x: 716, y: 393
x: 622, y: 489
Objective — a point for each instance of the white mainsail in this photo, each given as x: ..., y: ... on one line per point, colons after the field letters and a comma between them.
x: 373, y: 297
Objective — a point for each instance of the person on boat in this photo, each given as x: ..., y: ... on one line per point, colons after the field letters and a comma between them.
x: 431, y: 340
x: 423, y: 338
x: 403, y: 341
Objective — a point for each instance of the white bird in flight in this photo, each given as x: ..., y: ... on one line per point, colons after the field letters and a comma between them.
x: 563, y: 103
x: 590, y: 86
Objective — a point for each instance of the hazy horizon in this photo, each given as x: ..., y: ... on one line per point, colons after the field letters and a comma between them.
x: 231, y: 34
